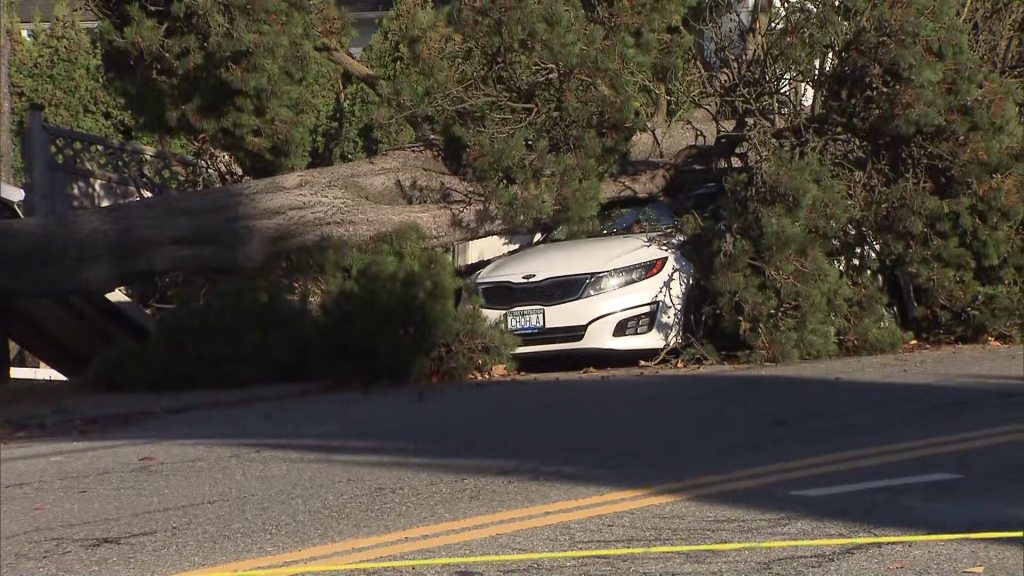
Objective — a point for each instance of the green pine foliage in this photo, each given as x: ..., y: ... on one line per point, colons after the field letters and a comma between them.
x: 367, y: 126
x: 244, y: 75
x: 942, y: 136
x: 778, y: 285
x: 243, y: 331
x: 383, y: 311
x: 535, y: 102
x: 60, y: 67
x: 390, y: 312
x: 909, y: 164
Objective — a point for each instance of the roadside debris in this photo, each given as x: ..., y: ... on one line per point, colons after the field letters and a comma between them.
x: 496, y: 371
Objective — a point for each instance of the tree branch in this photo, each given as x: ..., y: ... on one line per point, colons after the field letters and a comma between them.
x: 353, y: 67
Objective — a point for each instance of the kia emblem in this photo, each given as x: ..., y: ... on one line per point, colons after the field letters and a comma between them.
x: 529, y: 277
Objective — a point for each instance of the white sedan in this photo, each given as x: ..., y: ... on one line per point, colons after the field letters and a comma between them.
x: 622, y: 290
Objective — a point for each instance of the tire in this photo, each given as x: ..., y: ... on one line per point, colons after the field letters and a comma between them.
x: 693, y: 312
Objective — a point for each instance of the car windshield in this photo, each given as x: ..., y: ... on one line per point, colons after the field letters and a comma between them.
x: 653, y: 217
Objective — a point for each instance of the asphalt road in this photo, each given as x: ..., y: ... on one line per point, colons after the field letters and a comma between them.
x: 617, y: 462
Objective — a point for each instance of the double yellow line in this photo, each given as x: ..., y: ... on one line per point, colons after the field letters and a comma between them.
x: 361, y: 550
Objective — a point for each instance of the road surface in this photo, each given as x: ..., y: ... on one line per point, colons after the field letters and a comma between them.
x: 841, y: 467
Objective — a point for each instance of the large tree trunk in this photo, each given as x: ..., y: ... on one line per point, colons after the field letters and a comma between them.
x: 238, y: 226
x: 231, y: 227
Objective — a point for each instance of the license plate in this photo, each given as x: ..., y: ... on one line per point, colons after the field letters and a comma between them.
x: 525, y: 321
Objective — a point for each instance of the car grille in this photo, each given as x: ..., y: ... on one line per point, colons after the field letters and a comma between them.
x: 562, y: 335
x: 506, y: 295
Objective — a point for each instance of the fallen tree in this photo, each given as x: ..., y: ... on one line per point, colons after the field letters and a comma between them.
x: 502, y: 144
x: 903, y: 159
x: 239, y: 226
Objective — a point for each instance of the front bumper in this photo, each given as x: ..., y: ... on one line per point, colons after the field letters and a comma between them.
x: 590, y: 323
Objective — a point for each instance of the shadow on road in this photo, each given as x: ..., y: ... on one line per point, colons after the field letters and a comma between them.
x: 623, y: 432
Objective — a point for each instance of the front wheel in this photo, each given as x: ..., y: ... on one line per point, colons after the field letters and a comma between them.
x: 694, y: 303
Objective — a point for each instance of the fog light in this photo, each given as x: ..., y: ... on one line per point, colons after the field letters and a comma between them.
x: 635, y: 325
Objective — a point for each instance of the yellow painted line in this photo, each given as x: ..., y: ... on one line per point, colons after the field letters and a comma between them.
x: 506, y: 528
x: 568, y: 554
x: 472, y: 522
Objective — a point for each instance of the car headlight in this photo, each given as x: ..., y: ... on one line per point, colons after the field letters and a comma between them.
x: 615, y: 279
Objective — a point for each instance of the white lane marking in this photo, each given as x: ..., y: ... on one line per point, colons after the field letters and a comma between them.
x: 876, y: 484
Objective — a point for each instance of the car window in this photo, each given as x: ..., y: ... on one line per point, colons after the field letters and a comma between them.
x: 648, y: 218
x: 653, y: 217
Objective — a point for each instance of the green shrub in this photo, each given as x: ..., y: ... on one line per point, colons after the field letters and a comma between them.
x: 379, y: 312
x: 777, y: 278
x: 243, y: 332
x: 470, y: 344
x: 390, y: 314
x: 243, y: 75
x: 909, y: 165
x: 61, y: 68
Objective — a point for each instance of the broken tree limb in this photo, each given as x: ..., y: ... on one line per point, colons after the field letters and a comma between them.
x: 353, y: 67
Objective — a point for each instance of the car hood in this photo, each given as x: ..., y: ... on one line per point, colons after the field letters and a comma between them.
x: 573, y: 257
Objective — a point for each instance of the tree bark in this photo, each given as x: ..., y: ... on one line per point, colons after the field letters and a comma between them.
x: 233, y: 227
